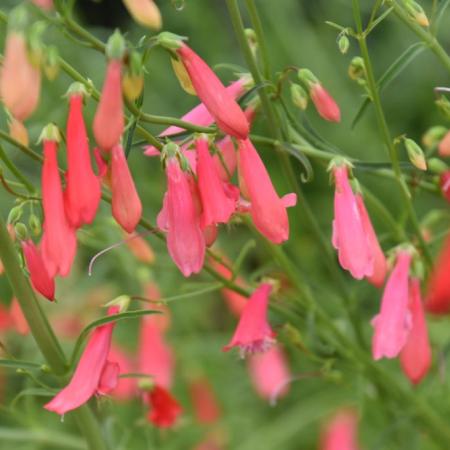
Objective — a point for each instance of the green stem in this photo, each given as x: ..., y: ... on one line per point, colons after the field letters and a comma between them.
x: 382, y: 124
x: 16, y: 172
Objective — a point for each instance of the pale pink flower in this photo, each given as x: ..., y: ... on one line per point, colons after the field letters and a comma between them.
x: 341, y: 432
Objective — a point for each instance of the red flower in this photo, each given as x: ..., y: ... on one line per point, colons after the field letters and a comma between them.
x: 40, y: 279
x: 445, y: 184
x: 253, y: 333
x: 164, y: 408
x: 325, y: 103
x: 228, y: 115
x: 109, y: 119
x: 82, y: 194
x: 415, y: 357
x: 59, y: 241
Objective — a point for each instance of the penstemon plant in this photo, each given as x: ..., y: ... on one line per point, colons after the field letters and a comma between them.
x: 337, y: 292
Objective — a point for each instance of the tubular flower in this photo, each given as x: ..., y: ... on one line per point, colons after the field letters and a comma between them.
x: 444, y: 145
x: 253, y: 333
x: 155, y: 356
x: 415, y: 358
x: 445, y: 184
x: 340, y: 433
x: 393, y: 324
x: 438, y: 293
x: 205, y: 404
x: 40, y: 278
x: 126, y: 204
x: 93, y: 375
x: 83, y: 192
x: 324, y: 103
x: 379, y: 260
x: 269, y: 373
x: 125, y: 388
x: 18, y: 320
x: 267, y: 208
x: 228, y: 115
x: 164, y: 408
x: 144, y: 12
x: 59, y: 241
x: 109, y: 121
x: 44, y: 4
x: 217, y: 207
x: 181, y: 218
x: 350, y: 238
x: 20, y: 81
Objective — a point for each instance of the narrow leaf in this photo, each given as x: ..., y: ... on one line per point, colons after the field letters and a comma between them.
x: 17, y: 364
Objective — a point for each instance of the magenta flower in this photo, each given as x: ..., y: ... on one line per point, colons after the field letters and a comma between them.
x: 415, y: 357
x: 393, y: 324
x: 40, y: 279
x: 340, y: 432
x: 253, y: 333
x: 267, y: 209
x: 93, y: 375
x: 350, y: 238
x: 180, y: 217
x: 217, y: 206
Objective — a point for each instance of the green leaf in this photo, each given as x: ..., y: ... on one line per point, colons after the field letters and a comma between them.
x: 439, y: 16
x: 307, y: 174
x: 17, y: 364
x: 391, y: 73
x: 378, y: 20
x: 104, y: 320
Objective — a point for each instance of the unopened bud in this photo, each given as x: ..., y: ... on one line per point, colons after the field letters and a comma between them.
x: 183, y: 76
x: 343, y: 43
x: 299, y: 96
x: 116, y: 47
x: 35, y: 224
x: 133, y: 79
x: 435, y: 165
x: 51, y: 66
x: 15, y: 214
x: 251, y: 39
x: 21, y: 231
x: 357, y: 70
x: 433, y: 136
x: 444, y: 145
x: 416, y: 13
x: 415, y: 154
x: 18, y: 131
x: 36, y: 45
x: 444, y: 106
x: 308, y: 78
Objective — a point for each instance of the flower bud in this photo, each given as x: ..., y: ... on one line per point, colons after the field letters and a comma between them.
x: 357, y: 70
x: 116, y: 47
x: 144, y: 12
x: 21, y: 231
x: 416, y: 12
x: 415, y: 154
x: 437, y: 166
x: 15, y: 214
x: 133, y: 79
x: 299, y: 96
x: 433, y: 136
x: 35, y: 224
x: 51, y: 64
x: 35, y: 44
x: 251, y: 39
x: 183, y: 76
x: 444, y: 106
x: 444, y: 145
x: 343, y: 43
x: 18, y: 131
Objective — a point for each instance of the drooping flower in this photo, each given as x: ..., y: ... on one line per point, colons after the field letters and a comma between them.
x: 269, y: 373
x: 109, y: 119
x: 415, y: 357
x: 438, y: 292
x: 59, y: 241
x: 325, y: 104
x: 444, y: 145
x: 253, y: 333
x: 227, y: 114
x: 40, y: 279
x: 164, y: 408
x: 217, y: 206
x: 20, y: 80
x: 206, y: 407
x: 126, y: 204
x: 393, y: 324
x: 350, y: 238
x: 82, y: 194
x: 155, y: 357
x: 144, y: 12
x: 181, y: 219
x: 125, y: 388
x: 379, y: 260
x: 340, y: 432
x: 93, y: 375
x: 267, y: 209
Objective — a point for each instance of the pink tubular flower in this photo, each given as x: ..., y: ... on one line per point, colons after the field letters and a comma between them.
x: 253, y: 333
x: 126, y: 387
x: 228, y: 115
x: 126, y: 204
x: 44, y: 4
x: 59, y: 242
x: 267, y: 208
x: 206, y: 408
x: 181, y: 219
x: 269, y: 373
x: 217, y: 206
x: 109, y: 122
x: 438, y: 293
x: 324, y: 103
x: 340, y: 433
x: 393, y: 324
x: 94, y: 374
x: 415, y: 357
x: 350, y: 238
x: 164, y: 409
x: 40, y: 278
x: 18, y: 320
x: 20, y: 81
x: 379, y: 260
x: 155, y: 356
x: 444, y: 145
x: 82, y: 194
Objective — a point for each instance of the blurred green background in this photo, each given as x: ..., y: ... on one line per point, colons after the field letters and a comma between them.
x: 296, y: 34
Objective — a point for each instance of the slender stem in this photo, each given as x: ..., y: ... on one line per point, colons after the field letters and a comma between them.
x: 382, y: 124
x: 16, y: 172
